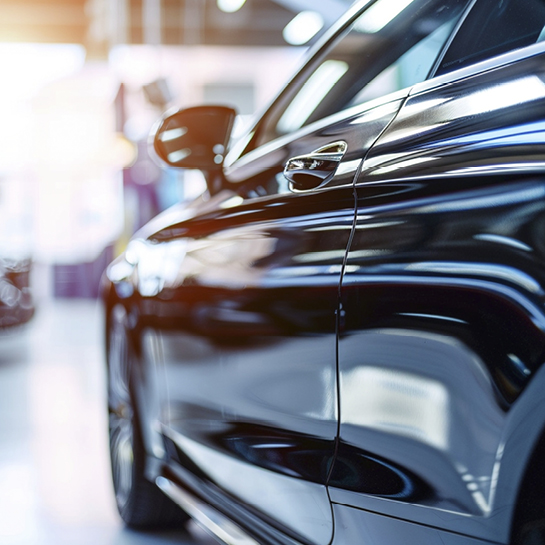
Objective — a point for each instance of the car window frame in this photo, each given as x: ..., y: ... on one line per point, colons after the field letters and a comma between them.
x: 237, y: 154
x: 448, y: 43
x: 462, y: 22
x: 479, y: 67
x: 234, y: 153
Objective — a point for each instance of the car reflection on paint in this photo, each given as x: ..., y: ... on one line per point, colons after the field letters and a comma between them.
x: 342, y: 341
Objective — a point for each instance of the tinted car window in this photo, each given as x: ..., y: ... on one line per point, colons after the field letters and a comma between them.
x: 493, y: 28
x: 390, y: 46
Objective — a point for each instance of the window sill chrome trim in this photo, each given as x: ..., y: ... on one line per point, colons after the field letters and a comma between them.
x: 479, y: 67
x: 211, y: 520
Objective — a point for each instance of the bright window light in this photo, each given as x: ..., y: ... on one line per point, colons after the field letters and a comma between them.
x: 303, y: 27
x: 311, y: 95
x: 380, y: 14
x: 230, y: 6
x: 27, y: 67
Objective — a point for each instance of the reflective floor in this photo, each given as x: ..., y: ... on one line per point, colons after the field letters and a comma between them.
x: 54, y: 473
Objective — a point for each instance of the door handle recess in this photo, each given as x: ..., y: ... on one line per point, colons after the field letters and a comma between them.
x: 307, y: 172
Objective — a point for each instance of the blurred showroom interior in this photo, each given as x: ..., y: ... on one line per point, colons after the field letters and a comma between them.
x: 83, y: 83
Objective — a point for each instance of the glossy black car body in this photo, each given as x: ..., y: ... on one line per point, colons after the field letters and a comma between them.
x: 343, y: 342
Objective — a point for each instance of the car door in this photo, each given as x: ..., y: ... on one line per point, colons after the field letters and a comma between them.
x: 443, y: 326
x: 246, y: 330
x: 245, y: 325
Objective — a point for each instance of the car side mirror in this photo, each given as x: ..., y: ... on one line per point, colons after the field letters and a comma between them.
x: 194, y: 137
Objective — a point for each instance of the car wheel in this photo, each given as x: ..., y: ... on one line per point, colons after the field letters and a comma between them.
x: 140, y: 503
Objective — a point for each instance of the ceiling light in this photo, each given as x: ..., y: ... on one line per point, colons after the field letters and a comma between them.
x: 303, y: 27
x: 230, y: 6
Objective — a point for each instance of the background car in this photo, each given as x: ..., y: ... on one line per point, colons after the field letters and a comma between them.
x: 342, y: 341
x: 16, y: 305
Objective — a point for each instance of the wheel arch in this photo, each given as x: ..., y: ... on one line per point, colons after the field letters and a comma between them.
x: 530, y: 502
x: 118, y: 309
x: 521, y: 471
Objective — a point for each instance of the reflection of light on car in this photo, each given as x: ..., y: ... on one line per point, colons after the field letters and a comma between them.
x: 226, y: 470
x: 397, y: 402
x: 303, y: 27
x: 221, y: 259
x: 404, y: 164
x: 348, y: 167
x: 180, y: 155
x: 236, y: 200
x: 478, y: 485
x: 156, y: 264
x: 159, y: 265
x: 173, y: 134
x: 319, y: 256
x: 519, y: 365
x: 484, y: 100
x: 487, y: 199
x: 311, y: 95
x: 380, y: 14
x: 433, y: 317
x: 502, y: 96
x: 506, y: 241
x: 484, y: 270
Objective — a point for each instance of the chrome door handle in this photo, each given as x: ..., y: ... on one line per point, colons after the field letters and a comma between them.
x: 311, y: 171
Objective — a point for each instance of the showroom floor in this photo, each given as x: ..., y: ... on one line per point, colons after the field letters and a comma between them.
x: 54, y: 474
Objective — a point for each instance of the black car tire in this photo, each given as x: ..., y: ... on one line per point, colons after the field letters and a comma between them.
x: 140, y: 503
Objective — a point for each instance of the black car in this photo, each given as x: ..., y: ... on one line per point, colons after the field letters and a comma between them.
x: 342, y: 341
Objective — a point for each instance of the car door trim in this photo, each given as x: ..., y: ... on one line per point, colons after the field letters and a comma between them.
x: 208, y: 518
x: 478, y: 68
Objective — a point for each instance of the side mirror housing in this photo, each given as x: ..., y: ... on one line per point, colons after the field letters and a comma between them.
x: 194, y: 137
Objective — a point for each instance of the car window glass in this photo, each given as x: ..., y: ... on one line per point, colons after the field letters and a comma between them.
x: 491, y: 29
x: 410, y: 68
x: 390, y: 46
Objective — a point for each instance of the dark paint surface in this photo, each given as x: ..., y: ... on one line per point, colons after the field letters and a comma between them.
x: 488, y: 123
x: 443, y: 323
x: 243, y: 333
x: 371, y: 348
x: 235, y: 310
x: 442, y: 332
